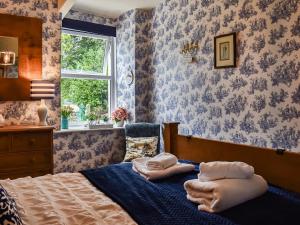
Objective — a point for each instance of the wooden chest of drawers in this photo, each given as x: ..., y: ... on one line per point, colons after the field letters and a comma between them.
x: 25, y: 151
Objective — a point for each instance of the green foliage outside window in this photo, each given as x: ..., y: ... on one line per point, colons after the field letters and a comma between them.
x: 85, y: 92
x: 84, y: 54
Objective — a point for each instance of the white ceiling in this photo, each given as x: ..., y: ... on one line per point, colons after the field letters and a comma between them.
x: 113, y: 8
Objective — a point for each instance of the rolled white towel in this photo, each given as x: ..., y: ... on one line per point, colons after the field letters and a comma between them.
x: 222, y: 170
x: 161, y: 161
x: 219, y: 195
x: 139, y: 166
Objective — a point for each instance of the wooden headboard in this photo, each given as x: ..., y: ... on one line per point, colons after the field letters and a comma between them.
x: 279, y: 169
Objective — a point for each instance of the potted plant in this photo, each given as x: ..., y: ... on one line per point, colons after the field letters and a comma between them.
x: 93, y: 119
x: 119, y: 116
x: 105, y: 118
x: 66, y: 112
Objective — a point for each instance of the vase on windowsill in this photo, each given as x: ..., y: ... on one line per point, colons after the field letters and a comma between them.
x: 66, y: 112
x: 64, y: 123
x: 120, y: 123
x: 119, y: 115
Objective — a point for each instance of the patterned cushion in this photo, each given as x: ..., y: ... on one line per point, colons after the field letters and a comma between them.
x: 8, y: 209
x: 140, y: 147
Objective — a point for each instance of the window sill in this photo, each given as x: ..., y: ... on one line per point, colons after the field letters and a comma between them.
x: 82, y: 129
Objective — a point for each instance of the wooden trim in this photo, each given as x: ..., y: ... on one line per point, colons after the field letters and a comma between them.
x: 169, y: 134
x: 65, y: 6
x: 51, y: 152
x: 28, y: 128
x: 279, y: 169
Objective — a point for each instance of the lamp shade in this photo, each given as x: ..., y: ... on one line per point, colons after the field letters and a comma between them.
x: 7, y: 58
x: 42, y: 89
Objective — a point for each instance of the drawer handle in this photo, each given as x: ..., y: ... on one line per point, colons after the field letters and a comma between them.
x: 32, y: 141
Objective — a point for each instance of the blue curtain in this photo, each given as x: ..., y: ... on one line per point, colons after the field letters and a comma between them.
x: 92, y: 28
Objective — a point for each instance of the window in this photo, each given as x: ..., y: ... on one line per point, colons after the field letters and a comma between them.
x: 87, y: 75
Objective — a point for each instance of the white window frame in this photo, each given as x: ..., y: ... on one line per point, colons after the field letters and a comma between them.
x: 98, y: 76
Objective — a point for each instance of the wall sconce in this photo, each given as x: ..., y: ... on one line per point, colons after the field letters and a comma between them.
x: 7, y: 59
x: 129, y: 77
x: 189, y: 51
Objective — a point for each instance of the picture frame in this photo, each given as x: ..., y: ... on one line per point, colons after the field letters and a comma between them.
x: 225, y: 51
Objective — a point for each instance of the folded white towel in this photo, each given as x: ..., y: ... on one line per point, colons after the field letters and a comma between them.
x: 161, y: 161
x: 139, y: 166
x: 221, y: 170
x: 219, y: 195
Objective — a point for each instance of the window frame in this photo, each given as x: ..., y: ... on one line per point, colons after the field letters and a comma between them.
x: 112, y: 92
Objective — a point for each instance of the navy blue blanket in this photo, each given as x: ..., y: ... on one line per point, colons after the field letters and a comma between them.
x: 164, y: 202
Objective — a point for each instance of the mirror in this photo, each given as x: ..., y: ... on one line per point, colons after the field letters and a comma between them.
x: 9, y: 57
x: 23, y: 62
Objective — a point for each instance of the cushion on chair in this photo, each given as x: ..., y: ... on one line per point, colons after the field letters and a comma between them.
x: 144, y: 130
x: 140, y: 147
x: 8, y: 209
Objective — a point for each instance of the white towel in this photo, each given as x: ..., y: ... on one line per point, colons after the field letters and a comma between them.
x: 162, y: 161
x: 219, y: 195
x: 221, y: 170
x: 139, y: 166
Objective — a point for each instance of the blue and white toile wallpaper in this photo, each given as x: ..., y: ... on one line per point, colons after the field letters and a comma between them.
x: 46, y: 10
x: 74, y: 151
x: 126, y: 61
x: 144, y: 47
x: 133, y: 53
x: 89, y: 17
x: 256, y: 103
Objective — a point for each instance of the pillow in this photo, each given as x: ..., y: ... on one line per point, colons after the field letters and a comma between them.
x: 140, y: 147
x: 8, y: 209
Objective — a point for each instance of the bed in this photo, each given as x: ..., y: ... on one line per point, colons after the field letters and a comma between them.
x: 63, y: 199
x: 117, y: 195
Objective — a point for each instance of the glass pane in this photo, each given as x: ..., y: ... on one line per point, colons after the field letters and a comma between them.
x: 82, y: 54
x: 86, y: 97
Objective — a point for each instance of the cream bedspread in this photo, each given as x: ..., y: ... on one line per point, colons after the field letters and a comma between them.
x: 64, y: 199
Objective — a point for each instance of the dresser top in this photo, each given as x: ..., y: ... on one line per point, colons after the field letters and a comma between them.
x: 22, y: 128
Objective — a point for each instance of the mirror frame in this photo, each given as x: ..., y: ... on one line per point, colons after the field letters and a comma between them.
x: 28, y: 30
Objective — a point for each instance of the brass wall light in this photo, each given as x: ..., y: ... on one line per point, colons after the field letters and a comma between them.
x: 189, y: 51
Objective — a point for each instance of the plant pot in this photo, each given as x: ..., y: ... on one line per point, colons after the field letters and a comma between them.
x: 64, y: 123
x: 100, y: 126
x: 120, y: 123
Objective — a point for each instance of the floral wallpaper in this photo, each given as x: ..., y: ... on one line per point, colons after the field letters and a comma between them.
x: 255, y: 103
x: 74, y: 151
x: 89, y: 17
x: 46, y: 10
x: 133, y: 51
x: 143, y: 51
x: 126, y: 61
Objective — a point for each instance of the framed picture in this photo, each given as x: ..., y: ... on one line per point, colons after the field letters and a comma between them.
x: 225, y: 51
